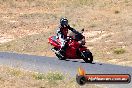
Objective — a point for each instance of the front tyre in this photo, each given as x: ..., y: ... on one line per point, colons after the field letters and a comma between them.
x: 60, y: 57
x: 87, y: 56
x: 58, y: 54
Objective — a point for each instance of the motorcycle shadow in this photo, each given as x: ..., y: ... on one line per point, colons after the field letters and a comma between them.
x: 80, y: 62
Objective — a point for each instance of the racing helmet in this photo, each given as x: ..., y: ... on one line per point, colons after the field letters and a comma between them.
x: 63, y: 22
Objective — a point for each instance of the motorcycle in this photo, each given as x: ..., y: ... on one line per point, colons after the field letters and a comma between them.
x: 75, y: 47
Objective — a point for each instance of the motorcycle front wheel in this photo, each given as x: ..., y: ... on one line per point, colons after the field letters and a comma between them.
x: 87, y: 56
x: 60, y: 57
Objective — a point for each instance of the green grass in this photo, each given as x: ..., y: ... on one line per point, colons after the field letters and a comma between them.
x: 86, y: 2
x: 119, y: 51
x: 116, y: 12
x: 55, y: 76
x: 93, y: 25
x: 30, y: 79
x: 39, y: 76
x: 51, y: 76
x: 15, y: 72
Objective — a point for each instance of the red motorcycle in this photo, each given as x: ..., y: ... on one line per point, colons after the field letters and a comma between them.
x: 75, y: 47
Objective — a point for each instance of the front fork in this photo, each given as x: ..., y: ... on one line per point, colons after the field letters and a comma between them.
x: 56, y: 52
x: 82, y: 50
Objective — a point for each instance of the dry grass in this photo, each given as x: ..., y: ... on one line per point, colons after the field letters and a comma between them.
x: 19, y: 78
x: 29, y: 23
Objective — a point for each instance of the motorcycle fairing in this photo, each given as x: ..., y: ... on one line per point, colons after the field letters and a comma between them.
x: 54, y: 41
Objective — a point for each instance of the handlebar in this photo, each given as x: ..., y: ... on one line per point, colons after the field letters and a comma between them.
x: 77, y: 35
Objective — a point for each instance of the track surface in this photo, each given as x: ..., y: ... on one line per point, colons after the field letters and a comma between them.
x: 45, y: 64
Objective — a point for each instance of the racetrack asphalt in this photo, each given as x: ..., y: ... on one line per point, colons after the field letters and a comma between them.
x: 46, y: 64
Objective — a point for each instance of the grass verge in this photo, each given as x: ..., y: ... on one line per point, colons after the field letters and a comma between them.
x: 119, y: 51
x: 15, y: 78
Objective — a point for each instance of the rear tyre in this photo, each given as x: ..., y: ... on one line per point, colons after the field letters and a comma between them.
x: 87, y: 56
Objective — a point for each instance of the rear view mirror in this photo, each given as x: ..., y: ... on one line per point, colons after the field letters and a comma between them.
x: 82, y: 30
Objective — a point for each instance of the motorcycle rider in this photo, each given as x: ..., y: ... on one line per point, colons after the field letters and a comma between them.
x: 62, y: 33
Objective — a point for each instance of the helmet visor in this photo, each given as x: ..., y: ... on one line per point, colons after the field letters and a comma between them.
x: 64, y: 23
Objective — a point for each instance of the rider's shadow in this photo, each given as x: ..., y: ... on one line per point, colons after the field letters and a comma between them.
x: 72, y: 61
x: 89, y: 63
x: 75, y: 61
x: 81, y: 62
x: 67, y: 60
x: 92, y: 63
